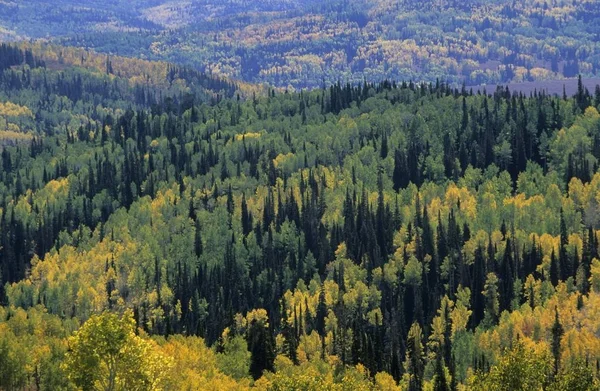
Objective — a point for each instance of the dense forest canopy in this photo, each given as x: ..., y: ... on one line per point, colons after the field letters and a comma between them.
x: 303, y: 43
x: 160, y: 231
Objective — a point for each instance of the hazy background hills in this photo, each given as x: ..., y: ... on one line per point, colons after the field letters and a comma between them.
x: 303, y: 43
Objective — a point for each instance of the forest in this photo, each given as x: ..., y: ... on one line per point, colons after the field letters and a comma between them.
x: 165, y: 229
x: 308, y: 43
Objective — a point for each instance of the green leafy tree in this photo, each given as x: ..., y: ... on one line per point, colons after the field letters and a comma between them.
x: 415, y: 357
x: 235, y: 358
x: 578, y: 376
x: 519, y: 369
x: 492, y: 303
x: 105, y: 354
x: 12, y: 366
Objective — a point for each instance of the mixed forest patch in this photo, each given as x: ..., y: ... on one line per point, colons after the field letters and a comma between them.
x: 371, y: 236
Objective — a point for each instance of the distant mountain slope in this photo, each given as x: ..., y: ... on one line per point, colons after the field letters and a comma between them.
x: 552, y: 87
x: 303, y: 43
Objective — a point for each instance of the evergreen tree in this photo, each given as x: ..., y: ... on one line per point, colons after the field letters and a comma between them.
x: 563, y: 258
x: 260, y: 345
x: 439, y: 381
x: 554, y: 269
x: 401, y: 174
x: 289, y: 332
x: 557, y: 333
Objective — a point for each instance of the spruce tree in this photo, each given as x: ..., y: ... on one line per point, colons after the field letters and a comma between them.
x: 564, y: 262
x: 439, y: 381
x: 262, y: 349
x: 557, y: 333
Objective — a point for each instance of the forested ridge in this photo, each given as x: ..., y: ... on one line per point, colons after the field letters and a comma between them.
x: 162, y: 229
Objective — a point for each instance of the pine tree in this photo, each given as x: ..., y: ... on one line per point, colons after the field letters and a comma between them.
x: 321, y: 313
x: 582, y: 96
x: 230, y: 203
x: 507, y: 277
x: 554, y: 269
x: 439, y: 382
x: 289, y: 332
x: 401, y: 174
x: 246, y: 217
x: 557, y: 333
x: 383, y: 150
x: 465, y: 115
x: 262, y: 349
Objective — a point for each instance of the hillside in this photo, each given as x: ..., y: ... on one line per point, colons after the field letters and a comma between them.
x: 567, y: 87
x: 305, y: 43
x: 383, y: 236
